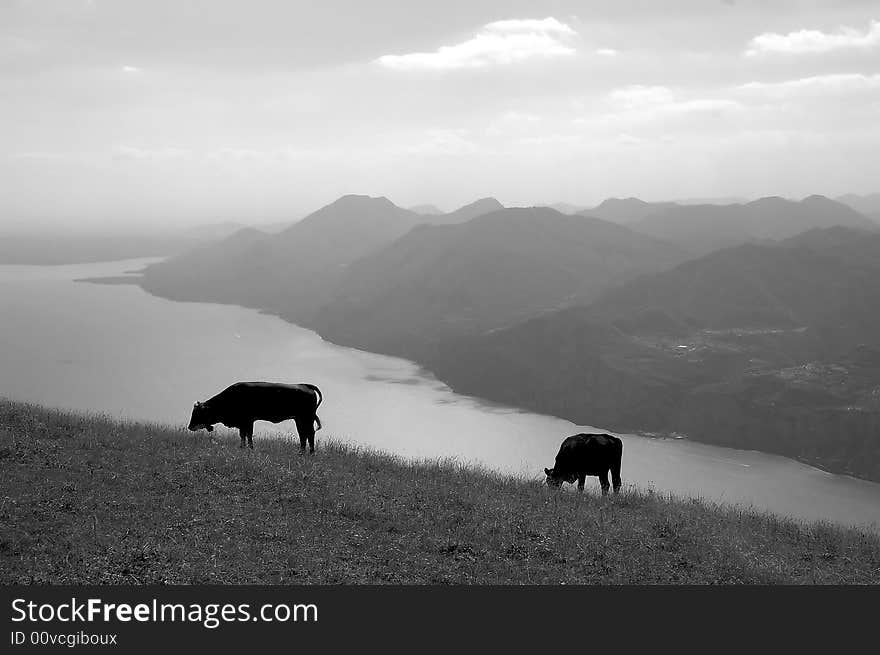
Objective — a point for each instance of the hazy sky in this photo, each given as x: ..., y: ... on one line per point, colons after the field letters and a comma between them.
x: 253, y: 110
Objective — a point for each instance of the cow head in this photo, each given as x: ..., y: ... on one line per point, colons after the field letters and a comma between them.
x: 200, y: 418
x: 555, y: 479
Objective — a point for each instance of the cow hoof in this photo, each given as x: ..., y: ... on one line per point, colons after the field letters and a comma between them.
x: 241, y: 446
x: 251, y: 446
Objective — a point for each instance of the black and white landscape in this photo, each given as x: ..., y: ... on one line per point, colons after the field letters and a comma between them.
x: 479, y: 228
x: 769, y: 342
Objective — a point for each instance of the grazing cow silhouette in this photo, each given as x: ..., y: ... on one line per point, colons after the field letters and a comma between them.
x: 239, y: 405
x: 581, y: 455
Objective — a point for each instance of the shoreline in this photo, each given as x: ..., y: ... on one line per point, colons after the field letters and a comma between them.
x: 648, y: 434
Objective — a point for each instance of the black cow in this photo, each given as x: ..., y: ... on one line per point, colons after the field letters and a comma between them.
x: 587, y: 454
x: 239, y: 405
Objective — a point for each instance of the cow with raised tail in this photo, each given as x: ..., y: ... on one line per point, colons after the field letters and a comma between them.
x: 587, y: 454
x: 239, y: 405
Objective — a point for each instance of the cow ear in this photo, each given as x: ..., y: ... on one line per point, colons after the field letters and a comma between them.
x: 197, y: 404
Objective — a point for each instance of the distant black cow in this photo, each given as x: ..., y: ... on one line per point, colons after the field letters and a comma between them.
x: 587, y: 454
x: 243, y: 403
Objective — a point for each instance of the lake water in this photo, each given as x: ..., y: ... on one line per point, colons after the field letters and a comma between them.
x: 117, y: 350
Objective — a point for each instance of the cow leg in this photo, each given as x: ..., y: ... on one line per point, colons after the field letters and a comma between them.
x: 582, y: 478
x: 615, y: 476
x: 301, y: 432
x: 306, y: 431
x: 603, y: 480
x: 247, y: 434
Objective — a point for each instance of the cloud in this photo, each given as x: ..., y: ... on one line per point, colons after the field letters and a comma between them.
x: 530, y: 25
x: 131, y: 153
x: 663, y: 101
x: 442, y: 142
x: 43, y: 157
x: 511, y: 123
x: 625, y: 139
x: 131, y: 69
x: 814, y: 41
x: 819, y: 84
x: 16, y: 46
x: 638, y: 96
x: 501, y: 42
x: 607, y: 52
x: 640, y: 106
x: 519, y: 117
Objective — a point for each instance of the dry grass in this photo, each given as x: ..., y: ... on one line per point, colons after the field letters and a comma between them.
x: 88, y: 500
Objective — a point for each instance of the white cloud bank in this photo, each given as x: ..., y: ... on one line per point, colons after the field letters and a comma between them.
x: 663, y: 101
x: 638, y: 96
x: 820, y: 84
x: 133, y: 153
x: 814, y: 41
x: 501, y: 42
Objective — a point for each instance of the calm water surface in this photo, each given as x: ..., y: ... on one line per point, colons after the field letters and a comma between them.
x: 117, y: 350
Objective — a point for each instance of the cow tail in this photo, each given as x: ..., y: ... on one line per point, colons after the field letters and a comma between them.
x: 317, y: 391
x: 615, y: 465
x: 320, y: 399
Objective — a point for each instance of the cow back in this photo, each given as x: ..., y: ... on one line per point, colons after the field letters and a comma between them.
x: 589, y: 453
x: 270, y: 401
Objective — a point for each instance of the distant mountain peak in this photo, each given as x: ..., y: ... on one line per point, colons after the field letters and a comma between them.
x: 622, y: 201
x: 566, y: 207
x: 538, y: 211
x: 355, y: 198
x: 468, y: 212
x: 868, y: 205
x: 825, y: 201
x: 625, y: 210
x: 487, y: 204
x: 426, y: 209
x: 768, y: 200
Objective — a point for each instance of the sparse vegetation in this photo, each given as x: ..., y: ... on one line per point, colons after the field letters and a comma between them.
x: 89, y: 500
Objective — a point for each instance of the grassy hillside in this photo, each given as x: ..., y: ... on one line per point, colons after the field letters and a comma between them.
x: 90, y: 500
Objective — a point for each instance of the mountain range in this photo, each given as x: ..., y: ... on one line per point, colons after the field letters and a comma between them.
x: 700, y: 229
x: 750, y: 325
x: 437, y: 282
x: 626, y: 210
x: 291, y: 273
x: 771, y: 347
x: 869, y: 204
